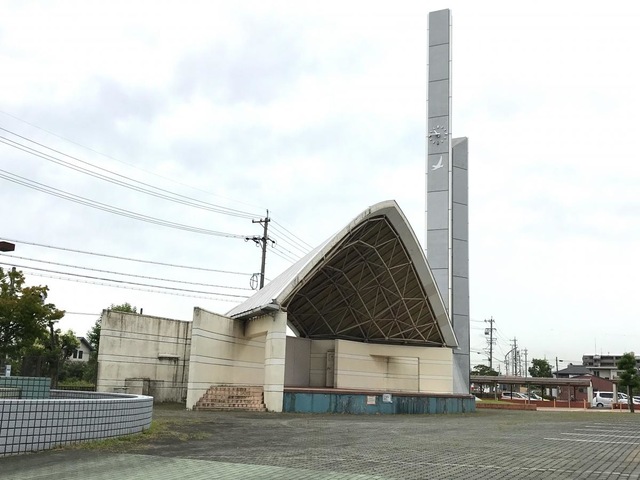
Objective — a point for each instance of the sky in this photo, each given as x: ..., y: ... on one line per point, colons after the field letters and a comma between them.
x: 214, y: 112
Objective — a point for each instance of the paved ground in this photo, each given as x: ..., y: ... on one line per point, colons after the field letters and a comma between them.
x: 488, y: 444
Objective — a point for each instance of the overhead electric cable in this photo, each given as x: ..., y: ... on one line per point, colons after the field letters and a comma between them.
x: 36, y: 274
x: 126, y: 258
x: 283, y: 237
x: 293, y: 235
x: 173, y: 180
x: 282, y: 255
x: 123, y: 281
x: 125, y: 274
x: 167, y: 194
x: 111, y: 209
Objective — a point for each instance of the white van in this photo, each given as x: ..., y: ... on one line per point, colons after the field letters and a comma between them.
x: 602, y: 399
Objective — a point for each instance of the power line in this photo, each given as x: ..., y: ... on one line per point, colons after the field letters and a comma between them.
x: 284, y: 256
x: 127, y: 258
x: 167, y: 194
x: 293, y: 240
x: 126, y: 274
x: 111, y: 209
x: 173, y: 180
x: 124, y: 281
x: 293, y: 235
x: 127, y: 287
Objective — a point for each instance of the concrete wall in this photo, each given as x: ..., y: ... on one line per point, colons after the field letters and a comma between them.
x: 222, y: 355
x: 238, y: 352
x: 318, y: 364
x: 297, y: 362
x: 306, y: 362
x: 152, y: 350
x: 393, y: 367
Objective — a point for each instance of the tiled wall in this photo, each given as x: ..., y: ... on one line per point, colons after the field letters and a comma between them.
x: 25, y: 387
x: 70, y: 417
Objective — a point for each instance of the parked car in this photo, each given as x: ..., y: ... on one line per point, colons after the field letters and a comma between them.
x: 602, y: 399
x: 623, y: 399
x: 513, y: 396
x: 534, y: 396
x: 605, y: 399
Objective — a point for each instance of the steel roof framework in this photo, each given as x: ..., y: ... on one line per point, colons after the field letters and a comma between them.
x: 365, y: 289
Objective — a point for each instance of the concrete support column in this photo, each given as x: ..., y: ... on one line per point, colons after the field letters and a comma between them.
x: 274, y: 356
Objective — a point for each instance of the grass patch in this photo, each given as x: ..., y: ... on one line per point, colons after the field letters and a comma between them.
x: 161, y: 431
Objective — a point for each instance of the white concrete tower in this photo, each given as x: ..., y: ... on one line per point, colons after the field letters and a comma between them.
x: 447, y: 235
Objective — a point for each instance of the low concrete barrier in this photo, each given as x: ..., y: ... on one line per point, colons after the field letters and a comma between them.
x: 29, y: 425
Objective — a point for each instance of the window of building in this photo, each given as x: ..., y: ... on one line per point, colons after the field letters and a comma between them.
x: 75, y: 354
x: 80, y: 354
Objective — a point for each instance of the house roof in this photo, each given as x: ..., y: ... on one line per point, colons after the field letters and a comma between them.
x: 369, y: 282
x: 85, y: 342
x: 573, y: 370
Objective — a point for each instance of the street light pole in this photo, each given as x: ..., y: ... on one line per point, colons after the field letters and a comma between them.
x: 557, y: 368
x: 8, y: 247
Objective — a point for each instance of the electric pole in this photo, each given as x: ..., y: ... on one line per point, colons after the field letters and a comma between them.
x: 526, y: 364
x: 262, y: 242
x: 515, y: 357
x: 489, y: 331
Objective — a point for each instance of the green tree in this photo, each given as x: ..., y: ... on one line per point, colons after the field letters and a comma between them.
x: 25, y: 317
x: 483, y: 370
x: 540, y: 368
x: 628, y: 375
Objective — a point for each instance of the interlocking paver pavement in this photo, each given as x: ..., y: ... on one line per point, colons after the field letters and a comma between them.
x: 487, y: 444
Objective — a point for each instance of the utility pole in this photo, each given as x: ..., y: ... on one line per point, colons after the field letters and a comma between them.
x: 526, y: 364
x: 262, y: 242
x: 489, y: 331
x: 515, y: 356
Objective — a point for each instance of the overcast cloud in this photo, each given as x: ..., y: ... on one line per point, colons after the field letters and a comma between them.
x: 316, y: 111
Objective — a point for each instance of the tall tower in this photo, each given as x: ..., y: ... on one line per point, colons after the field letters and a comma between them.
x: 446, y: 211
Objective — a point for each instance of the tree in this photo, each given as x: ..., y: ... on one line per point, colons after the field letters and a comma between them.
x: 25, y: 318
x: 483, y: 370
x: 540, y: 368
x: 629, y: 375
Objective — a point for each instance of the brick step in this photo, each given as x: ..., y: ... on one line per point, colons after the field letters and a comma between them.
x: 231, y: 409
x: 232, y: 400
x: 232, y: 397
x: 229, y: 405
x: 229, y: 398
x: 234, y: 392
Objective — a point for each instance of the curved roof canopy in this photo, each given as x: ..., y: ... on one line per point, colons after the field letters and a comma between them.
x: 370, y: 282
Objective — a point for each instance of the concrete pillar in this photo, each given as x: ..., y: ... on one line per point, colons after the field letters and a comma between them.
x: 274, y: 356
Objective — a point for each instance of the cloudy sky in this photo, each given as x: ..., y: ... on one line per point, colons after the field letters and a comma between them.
x: 157, y: 131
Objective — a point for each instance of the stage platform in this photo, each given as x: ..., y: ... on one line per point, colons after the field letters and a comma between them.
x: 333, y: 400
